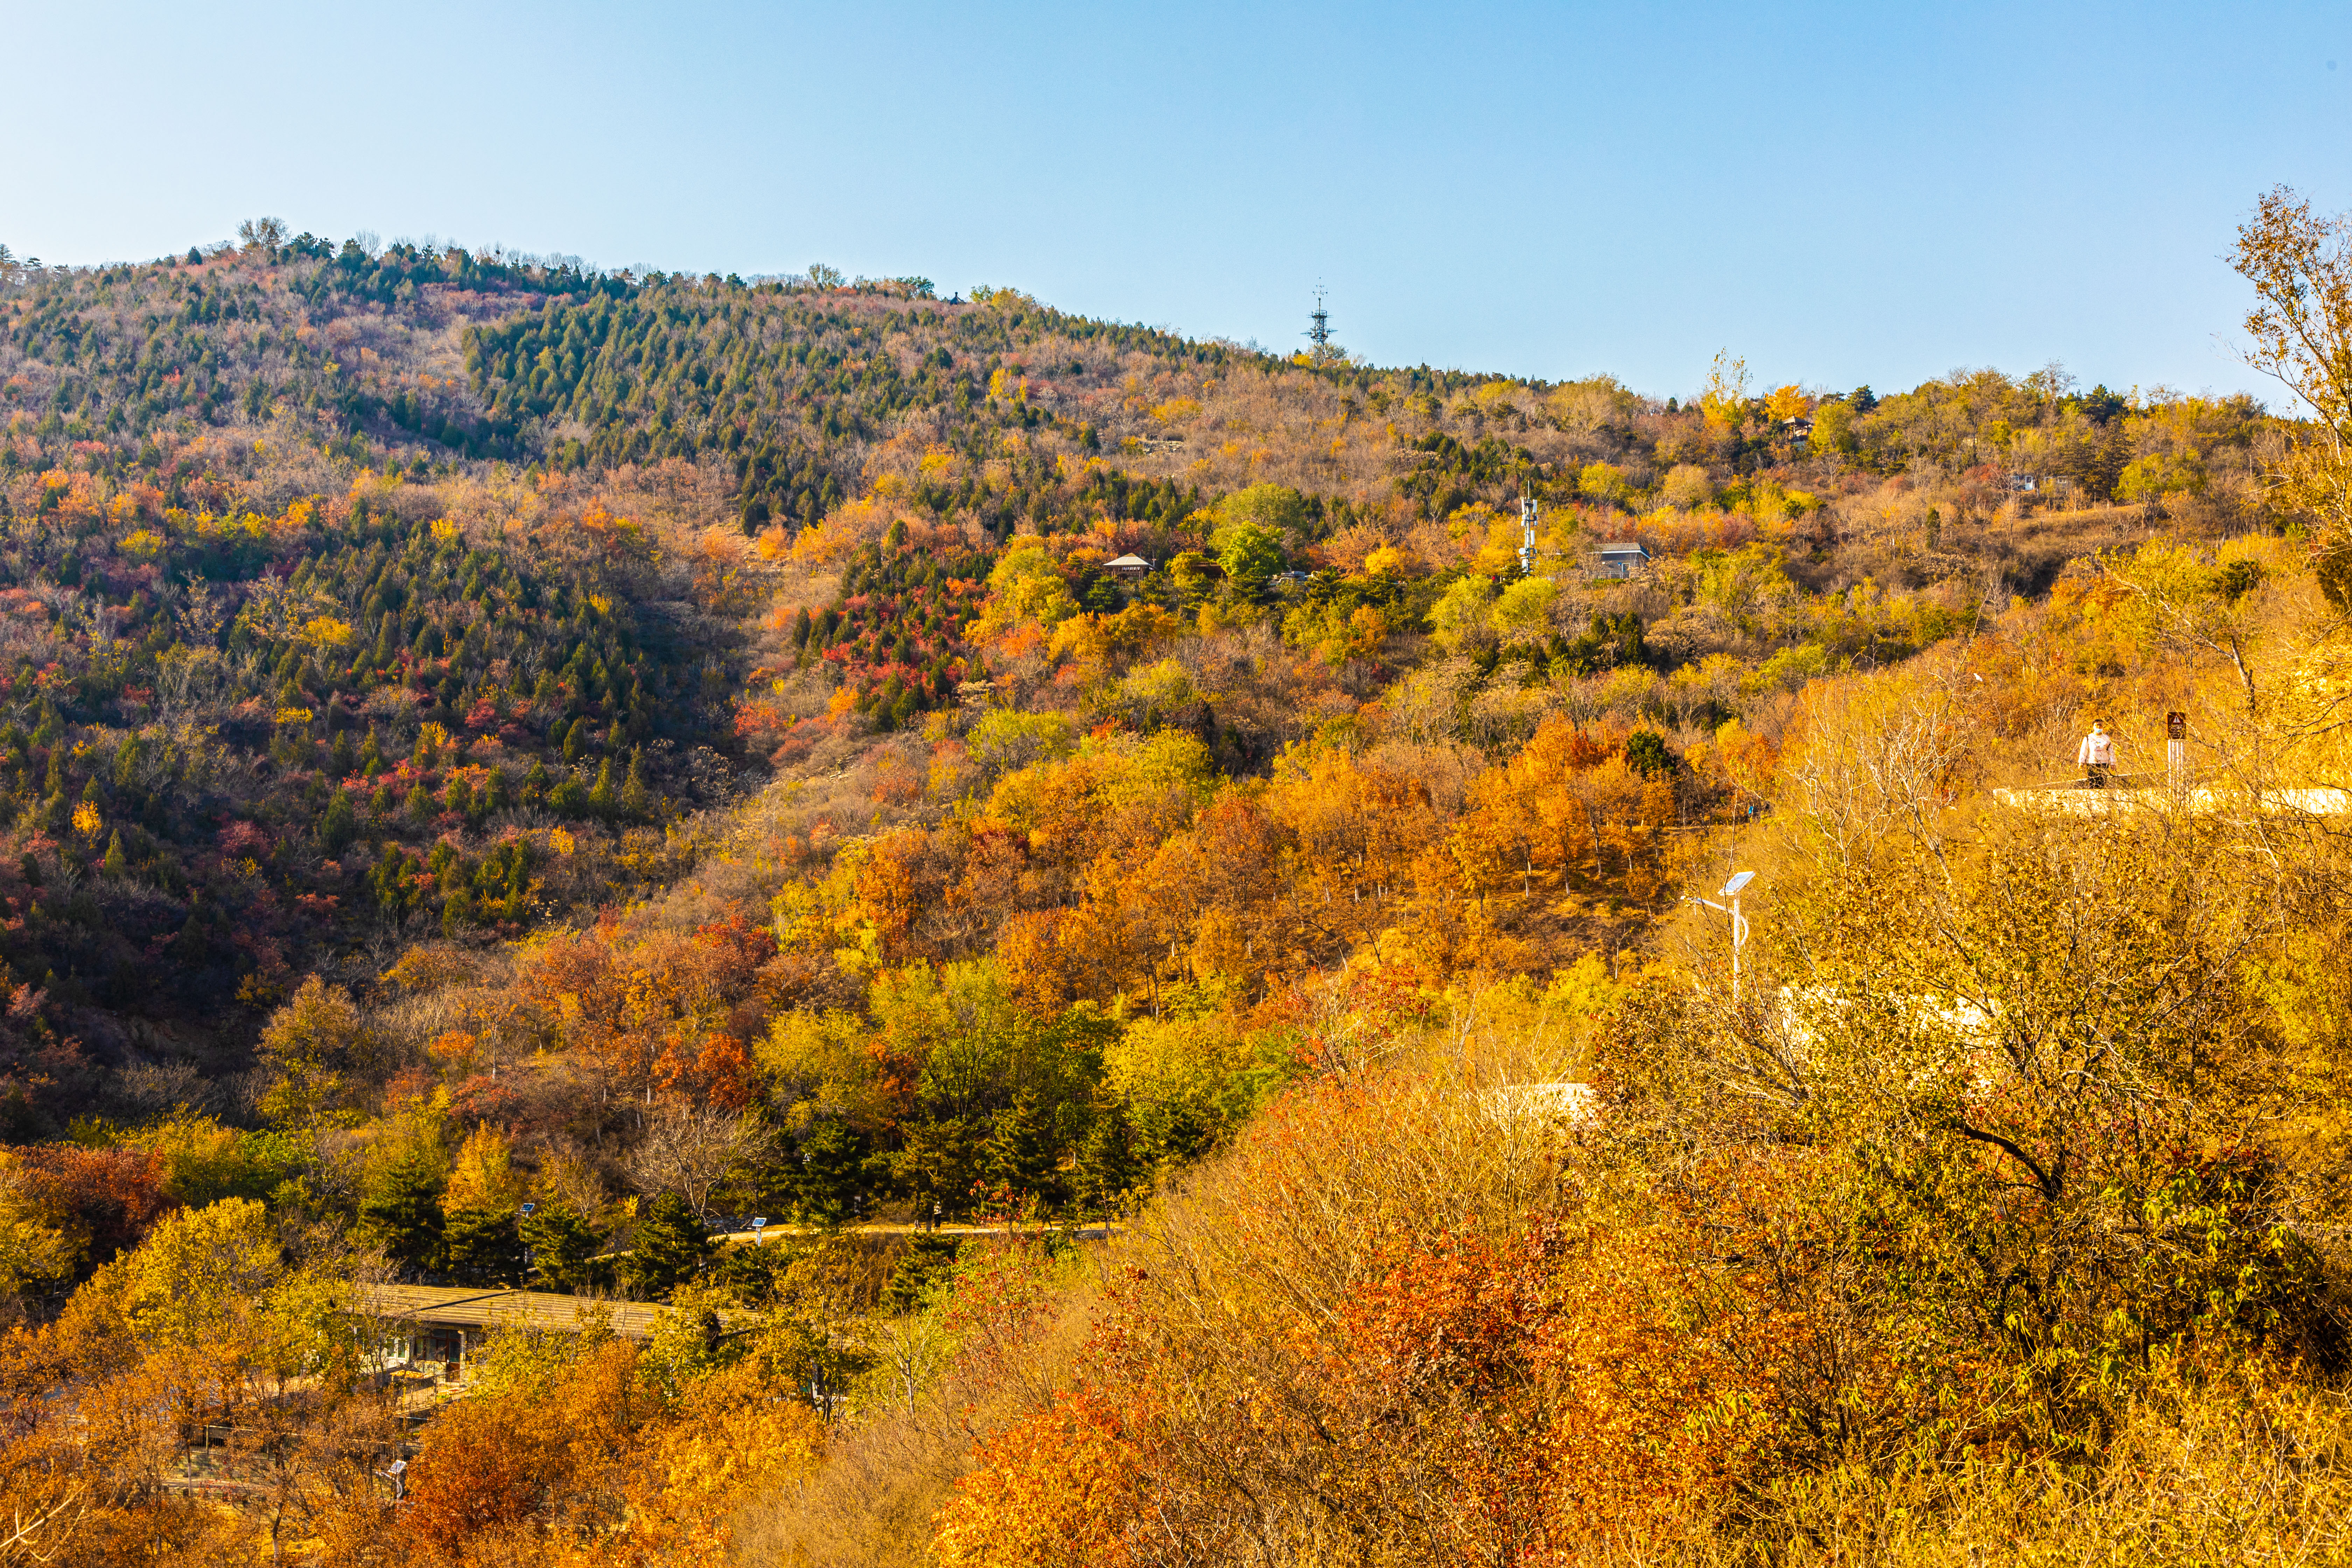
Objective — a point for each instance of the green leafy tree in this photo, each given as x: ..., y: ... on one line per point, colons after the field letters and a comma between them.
x: 1462, y: 614
x: 1275, y: 508
x: 1250, y: 554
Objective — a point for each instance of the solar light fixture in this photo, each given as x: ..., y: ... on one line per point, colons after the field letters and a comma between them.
x: 1731, y: 890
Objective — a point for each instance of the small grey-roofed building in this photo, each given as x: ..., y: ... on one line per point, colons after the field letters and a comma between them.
x: 1619, y: 560
x: 1128, y: 566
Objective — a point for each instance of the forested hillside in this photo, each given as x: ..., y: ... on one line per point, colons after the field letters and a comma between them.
x: 511, y: 770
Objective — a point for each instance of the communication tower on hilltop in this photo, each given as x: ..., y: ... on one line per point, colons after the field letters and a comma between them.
x: 1527, y: 536
x: 1320, y: 335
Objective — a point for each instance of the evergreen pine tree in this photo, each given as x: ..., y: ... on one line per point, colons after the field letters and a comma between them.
x: 1019, y: 1151
x: 600, y: 799
x: 670, y: 1248
x: 401, y: 1212
x: 484, y: 1247
x: 831, y: 1165
x: 116, y: 862
x: 339, y: 824
x: 562, y: 1245
x: 1108, y: 1169
x: 635, y: 799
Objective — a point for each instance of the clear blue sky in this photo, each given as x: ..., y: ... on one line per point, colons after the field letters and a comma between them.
x: 1840, y: 194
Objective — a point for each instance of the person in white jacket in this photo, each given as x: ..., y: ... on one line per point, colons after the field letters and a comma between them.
x: 2097, y: 754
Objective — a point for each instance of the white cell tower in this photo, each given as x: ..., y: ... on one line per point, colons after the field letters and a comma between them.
x: 1527, y: 536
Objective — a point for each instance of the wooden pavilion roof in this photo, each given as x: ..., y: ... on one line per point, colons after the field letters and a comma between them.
x: 455, y: 1307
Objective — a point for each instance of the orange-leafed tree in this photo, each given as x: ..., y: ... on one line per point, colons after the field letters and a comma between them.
x: 1060, y: 1486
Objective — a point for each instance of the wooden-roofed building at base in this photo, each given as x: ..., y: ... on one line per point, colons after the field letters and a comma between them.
x: 444, y: 1325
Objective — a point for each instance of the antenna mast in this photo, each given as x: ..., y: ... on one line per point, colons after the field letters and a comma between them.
x: 1320, y: 335
x: 1527, y: 536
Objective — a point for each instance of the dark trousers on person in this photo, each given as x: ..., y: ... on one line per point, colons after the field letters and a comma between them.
x: 2096, y: 775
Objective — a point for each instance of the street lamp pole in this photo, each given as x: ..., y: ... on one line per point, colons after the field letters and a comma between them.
x: 1731, y: 890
